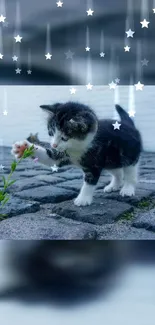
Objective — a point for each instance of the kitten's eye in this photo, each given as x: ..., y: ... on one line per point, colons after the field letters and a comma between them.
x: 64, y: 139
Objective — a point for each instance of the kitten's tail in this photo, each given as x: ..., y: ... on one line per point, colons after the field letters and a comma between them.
x: 124, y: 115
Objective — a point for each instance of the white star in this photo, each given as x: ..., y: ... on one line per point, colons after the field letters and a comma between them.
x: 1, y: 167
x: 29, y: 71
x: 127, y: 48
x: 2, y: 18
x: 130, y: 33
x: 54, y: 168
x: 102, y: 54
x: 112, y: 85
x: 87, y: 49
x: 145, y: 23
x: 117, y: 80
x: 89, y: 86
x: 18, y: 38
x: 69, y: 54
x: 90, y: 12
x: 5, y: 112
x: 59, y: 4
x: 48, y: 56
x: 139, y: 86
x: 1, y: 56
x: 153, y: 10
x: 14, y: 58
x: 131, y: 113
x: 73, y: 91
x: 18, y: 71
x: 116, y: 125
x: 145, y: 62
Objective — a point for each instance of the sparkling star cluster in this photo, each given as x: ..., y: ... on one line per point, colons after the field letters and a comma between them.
x: 130, y: 34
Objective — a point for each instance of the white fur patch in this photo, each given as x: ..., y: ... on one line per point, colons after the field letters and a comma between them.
x: 85, y: 196
x: 127, y: 190
x: 130, y: 180
x: 116, y: 182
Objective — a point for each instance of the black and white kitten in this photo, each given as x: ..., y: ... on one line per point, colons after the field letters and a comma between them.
x: 78, y: 137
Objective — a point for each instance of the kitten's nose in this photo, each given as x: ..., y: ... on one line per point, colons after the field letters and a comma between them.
x: 54, y: 145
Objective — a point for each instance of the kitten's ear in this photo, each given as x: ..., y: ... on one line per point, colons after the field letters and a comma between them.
x: 51, y: 109
x: 78, y: 125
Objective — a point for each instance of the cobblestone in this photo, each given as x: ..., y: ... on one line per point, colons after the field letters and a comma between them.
x: 41, y: 205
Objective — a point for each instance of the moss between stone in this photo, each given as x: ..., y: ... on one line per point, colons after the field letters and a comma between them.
x: 146, y: 203
x: 3, y: 217
x: 127, y: 216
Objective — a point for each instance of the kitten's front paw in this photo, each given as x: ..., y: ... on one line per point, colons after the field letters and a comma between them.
x: 83, y: 201
x: 19, y: 147
x: 127, y: 190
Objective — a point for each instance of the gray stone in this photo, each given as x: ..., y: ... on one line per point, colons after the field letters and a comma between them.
x: 47, y: 194
x: 52, y: 179
x: 148, y: 181
x: 71, y: 174
x: 68, y: 167
x: 75, y: 184
x: 37, y: 226
x: 17, y: 206
x: 143, y: 191
x: 145, y: 220
x: 147, y: 175
x: 25, y: 184
x: 99, y: 212
x: 30, y: 173
x: 124, y: 232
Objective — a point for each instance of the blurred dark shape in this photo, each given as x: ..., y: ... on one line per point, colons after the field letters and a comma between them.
x: 143, y: 251
x: 63, y: 272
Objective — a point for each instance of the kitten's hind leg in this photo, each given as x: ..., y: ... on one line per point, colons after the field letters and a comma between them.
x: 130, y: 180
x: 116, y: 181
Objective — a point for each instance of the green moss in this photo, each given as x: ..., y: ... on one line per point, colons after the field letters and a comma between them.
x: 127, y: 216
x: 3, y: 216
x: 144, y: 204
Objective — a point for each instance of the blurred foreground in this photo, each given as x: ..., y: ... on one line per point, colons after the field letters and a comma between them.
x: 54, y: 281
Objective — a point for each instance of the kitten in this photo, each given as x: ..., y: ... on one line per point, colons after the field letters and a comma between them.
x: 80, y: 138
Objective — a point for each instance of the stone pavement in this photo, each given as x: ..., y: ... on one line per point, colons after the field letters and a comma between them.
x: 41, y: 205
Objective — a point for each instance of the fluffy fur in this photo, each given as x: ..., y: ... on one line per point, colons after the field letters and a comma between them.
x: 78, y: 137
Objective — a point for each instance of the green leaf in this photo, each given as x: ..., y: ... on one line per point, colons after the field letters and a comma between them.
x: 4, y: 180
x: 2, y: 196
x: 28, y: 152
x: 13, y: 166
x: 12, y: 182
x: 3, y: 216
x: 5, y: 201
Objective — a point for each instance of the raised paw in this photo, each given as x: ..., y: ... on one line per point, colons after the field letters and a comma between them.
x: 19, y: 147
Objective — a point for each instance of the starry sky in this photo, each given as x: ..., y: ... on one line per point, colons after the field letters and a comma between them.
x: 55, y: 42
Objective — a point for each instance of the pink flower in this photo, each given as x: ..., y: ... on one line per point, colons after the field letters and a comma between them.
x: 35, y: 160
